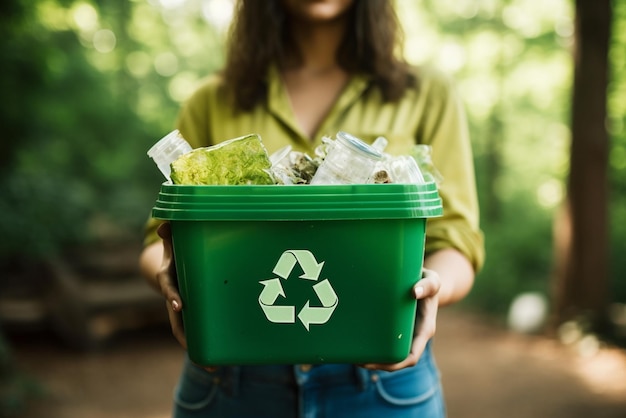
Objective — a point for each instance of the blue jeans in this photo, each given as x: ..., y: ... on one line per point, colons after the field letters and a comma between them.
x: 304, y: 391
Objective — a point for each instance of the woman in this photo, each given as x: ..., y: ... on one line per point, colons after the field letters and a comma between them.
x: 297, y: 70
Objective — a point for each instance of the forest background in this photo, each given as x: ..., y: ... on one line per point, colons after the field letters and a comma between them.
x: 88, y: 86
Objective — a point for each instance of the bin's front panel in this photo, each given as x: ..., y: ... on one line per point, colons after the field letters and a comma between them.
x: 298, y: 291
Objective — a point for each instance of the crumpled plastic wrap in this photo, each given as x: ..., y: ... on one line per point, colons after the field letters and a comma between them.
x: 242, y: 160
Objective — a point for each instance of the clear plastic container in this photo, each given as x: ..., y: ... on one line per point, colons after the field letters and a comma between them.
x: 422, y: 155
x: 349, y: 161
x: 404, y: 169
x: 168, y: 149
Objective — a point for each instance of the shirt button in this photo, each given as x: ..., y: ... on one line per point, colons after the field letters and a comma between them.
x: 305, y: 367
x: 375, y: 378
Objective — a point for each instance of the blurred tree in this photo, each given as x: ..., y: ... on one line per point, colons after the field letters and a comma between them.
x: 582, y: 278
x: 617, y: 156
x: 83, y: 99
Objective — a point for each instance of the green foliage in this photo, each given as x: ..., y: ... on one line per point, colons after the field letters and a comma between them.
x: 519, y: 256
x: 78, y: 115
x: 39, y: 212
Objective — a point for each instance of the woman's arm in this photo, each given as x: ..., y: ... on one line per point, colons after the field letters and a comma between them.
x: 456, y: 274
x: 150, y: 262
x: 156, y: 264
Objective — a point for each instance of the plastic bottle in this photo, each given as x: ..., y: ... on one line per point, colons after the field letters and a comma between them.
x: 167, y: 149
x: 349, y: 161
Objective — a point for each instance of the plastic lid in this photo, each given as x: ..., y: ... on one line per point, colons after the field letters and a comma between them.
x: 358, y: 145
x: 304, y: 202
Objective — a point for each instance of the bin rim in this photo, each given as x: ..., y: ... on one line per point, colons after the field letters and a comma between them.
x: 297, y: 202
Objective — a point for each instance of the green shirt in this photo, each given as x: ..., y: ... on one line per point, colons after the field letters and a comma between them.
x: 430, y: 113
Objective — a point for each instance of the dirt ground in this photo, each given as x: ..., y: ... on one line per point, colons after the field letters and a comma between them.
x: 487, y: 373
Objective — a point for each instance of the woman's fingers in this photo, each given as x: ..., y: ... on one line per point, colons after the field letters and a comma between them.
x: 176, y: 322
x: 428, y: 285
x: 165, y: 276
x: 426, y: 292
x: 165, y: 231
x: 425, y: 327
x: 169, y: 290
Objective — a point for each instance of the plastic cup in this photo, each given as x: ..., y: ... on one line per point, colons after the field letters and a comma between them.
x: 404, y: 169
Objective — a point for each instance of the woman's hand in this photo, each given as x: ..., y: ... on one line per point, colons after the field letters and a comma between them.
x: 166, y: 281
x: 426, y: 291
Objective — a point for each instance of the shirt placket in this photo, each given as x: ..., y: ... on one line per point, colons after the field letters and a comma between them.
x: 280, y: 107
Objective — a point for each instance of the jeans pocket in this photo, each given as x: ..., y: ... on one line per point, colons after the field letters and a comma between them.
x: 196, y: 388
x: 407, y: 387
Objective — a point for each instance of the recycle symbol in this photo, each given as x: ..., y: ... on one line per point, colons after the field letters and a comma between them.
x: 273, y: 288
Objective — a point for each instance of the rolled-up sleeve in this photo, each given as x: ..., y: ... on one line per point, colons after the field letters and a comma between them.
x: 445, y: 129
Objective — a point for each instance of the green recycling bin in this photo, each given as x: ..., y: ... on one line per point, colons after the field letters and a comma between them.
x: 298, y: 274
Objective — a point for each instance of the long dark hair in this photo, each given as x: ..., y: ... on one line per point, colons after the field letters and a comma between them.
x: 259, y: 37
